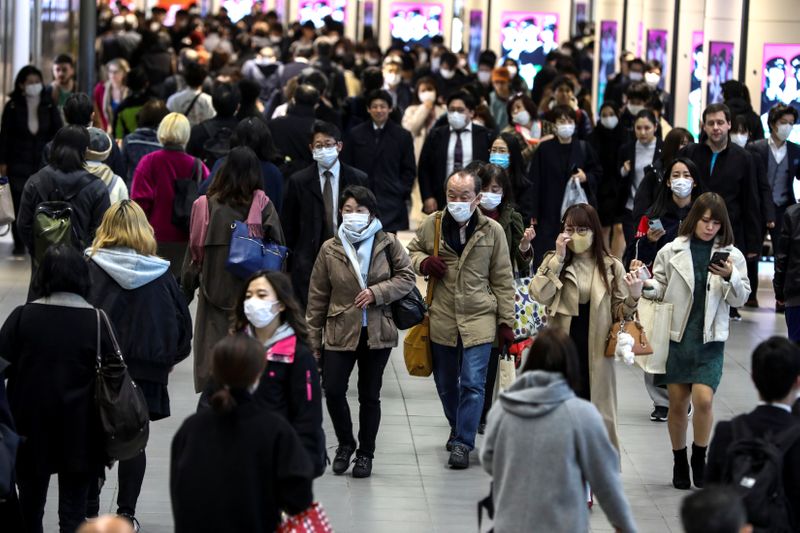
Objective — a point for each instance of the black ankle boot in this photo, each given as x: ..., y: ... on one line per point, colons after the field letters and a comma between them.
x: 680, y: 471
x: 698, y: 465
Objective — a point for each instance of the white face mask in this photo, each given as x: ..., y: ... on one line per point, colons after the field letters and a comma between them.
x: 460, y: 211
x: 484, y: 76
x: 392, y: 79
x: 634, y: 109
x: 260, y: 313
x: 609, y: 122
x: 681, y: 187
x: 427, y: 96
x: 34, y: 89
x: 355, y: 221
x: 635, y: 76
x: 652, y: 79
x: 523, y: 118
x: 783, y: 131
x: 739, y: 138
x: 490, y: 200
x: 457, y: 121
x: 326, y: 156
x: 512, y: 70
x: 447, y: 73
x: 565, y: 131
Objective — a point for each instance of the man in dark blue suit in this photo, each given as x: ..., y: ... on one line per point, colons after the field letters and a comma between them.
x: 385, y: 151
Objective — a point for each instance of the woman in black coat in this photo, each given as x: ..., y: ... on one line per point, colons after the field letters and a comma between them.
x: 149, y: 312
x: 606, y: 139
x: 234, y: 467
x: 51, y: 344
x: 24, y: 134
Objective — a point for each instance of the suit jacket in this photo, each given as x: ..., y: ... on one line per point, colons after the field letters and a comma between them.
x: 627, y: 152
x: 433, y: 159
x: 303, y: 220
x: 292, y: 136
x: 761, y: 148
x: 389, y: 165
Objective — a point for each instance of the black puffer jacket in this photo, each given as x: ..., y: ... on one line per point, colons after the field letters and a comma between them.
x: 787, y: 261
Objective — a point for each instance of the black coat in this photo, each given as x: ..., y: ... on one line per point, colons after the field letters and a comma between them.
x: 549, y: 174
x: 388, y: 161
x: 733, y: 179
x: 643, y: 249
x: 292, y: 136
x: 606, y: 144
x: 206, y: 131
x: 761, y: 148
x: 20, y: 150
x: 154, y: 330
x: 762, y: 419
x: 303, y: 220
x: 787, y: 261
x: 236, y: 471
x: 628, y: 153
x: 432, y: 169
x: 52, y: 351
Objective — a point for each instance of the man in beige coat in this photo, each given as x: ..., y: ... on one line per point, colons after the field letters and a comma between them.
x: 473, y: 303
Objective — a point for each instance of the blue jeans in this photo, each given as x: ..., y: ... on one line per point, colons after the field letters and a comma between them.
x: 792, y: 315
x: 460, y: 376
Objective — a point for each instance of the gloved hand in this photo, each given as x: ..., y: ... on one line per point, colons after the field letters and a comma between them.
x: 505, y: 337
x: 433, y: 266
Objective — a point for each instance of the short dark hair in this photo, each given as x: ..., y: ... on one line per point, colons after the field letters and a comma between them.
x: 638, y: 91
x: 554, y: 351
x: 226, y: 99
x: 464, y: 172
x: 325, y: 128
x: 362, y: 196
x: 194, y: 74
x: 64, y: 59
x: 562, y: 111
x: 63, y: 269
x: 254, y: 133
x: 68, y: 151
x: 379, y: 94
x: 151, y: 114
x: 648, y: 115
x: 636, y: 61
x: 562, y: 80
x: 714, y: 509
x: 306, y: 94
x: 238, y: 178
x: 371, y: 79
x: 488, y: 58
x: 708, y: 201
x: 448, y: 58
x: 464, y: 96
x: 775, y: 367
x: 717, y: 108
x: 777, y: 111
x: 136, y: 79
x: 78, y: 109
x: 315, y: 78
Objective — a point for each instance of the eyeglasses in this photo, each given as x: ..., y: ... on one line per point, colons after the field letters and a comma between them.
x: 580, y: 230
x: 320, y: 146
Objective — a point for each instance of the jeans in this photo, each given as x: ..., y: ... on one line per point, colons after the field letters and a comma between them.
x: 792, y: 315
x: 337, y: 367
x: 460, y: 382
x: 73, y: 489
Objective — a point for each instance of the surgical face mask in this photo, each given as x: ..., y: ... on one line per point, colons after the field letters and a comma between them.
x: 392, y: 79
x: 739, y: 138
x: 512, y: 70
x: 681, y: 187
x: 652, y: 79
x: 634, y: 109
x: 565, y: 131
x: 490, y: 200
x: 326, y: 156
x: 457, y: 121
x: 435, y: 62
x: 783, y: 131
x: 427, y: 96
x: 635, y: 76
x: 34, y: 89
x: 501, y: 160
x: 580, y: 243
x: 609, y: 122
x: 523, y: 118
x: 260, y: 313
x: 460, y: 211
x: 355, y: 221
x: 484, y: 76
x: 447, y: 73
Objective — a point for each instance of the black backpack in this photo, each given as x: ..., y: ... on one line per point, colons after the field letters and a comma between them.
x: 186, y: 192
x: 754, y: 466
x: 217, y: 145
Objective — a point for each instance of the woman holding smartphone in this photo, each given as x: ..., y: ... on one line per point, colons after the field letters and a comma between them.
x: 703, y: 269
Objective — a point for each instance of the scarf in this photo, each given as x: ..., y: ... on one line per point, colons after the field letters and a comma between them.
x: 108, y: 110
x: 360, y: 258
x: 198, y: 227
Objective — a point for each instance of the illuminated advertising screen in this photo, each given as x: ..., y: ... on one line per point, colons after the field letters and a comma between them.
x: 657, y: 51
x: 780, y: 81
x: 698, y: 66
x: 527, y: 37
x: 475, y: 38
x: 317, y: 10
x: 720, y: 69
x: 412, y: 23
x: 608, y: 56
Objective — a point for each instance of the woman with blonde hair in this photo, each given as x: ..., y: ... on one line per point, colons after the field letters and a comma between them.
x: 109, y: 94
x: 151, y: 318
x: 153, y: 186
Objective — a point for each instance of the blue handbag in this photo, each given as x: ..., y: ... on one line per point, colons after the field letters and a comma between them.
x: 248, y: 255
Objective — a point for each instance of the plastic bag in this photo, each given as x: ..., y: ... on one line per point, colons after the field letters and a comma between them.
x: 573, y: 194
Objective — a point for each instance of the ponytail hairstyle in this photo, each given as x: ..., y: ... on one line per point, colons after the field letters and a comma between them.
x: 237, y: 362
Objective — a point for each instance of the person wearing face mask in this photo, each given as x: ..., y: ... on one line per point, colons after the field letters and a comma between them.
x: 498, y: 100
x: 555, y: 162
x: 394, y: 84
x: 652, y: 77
x: 606, y: 140
x: 486, y: 62
x: 451, y: 147
x: 585, y: 289
x: 637, y: 96
x: 309, y: 216
x: 525, y: 124
x: 564, y: 94
x: 357, y: 275
x: 473, y: 305
x: 29, y: 122
x: 506, y: 153
x: 420, y: 117
x: 518, y: 84
x: 449, y: 78
x: 268, y: 311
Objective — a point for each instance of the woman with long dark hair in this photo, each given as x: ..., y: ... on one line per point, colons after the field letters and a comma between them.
x: 606, y: 139
x: 674, y: 142
x: 506, y: 152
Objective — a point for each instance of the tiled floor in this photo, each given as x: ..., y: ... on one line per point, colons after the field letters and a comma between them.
x: 411, y: 488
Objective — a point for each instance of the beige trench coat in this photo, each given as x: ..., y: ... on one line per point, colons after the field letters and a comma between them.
x: 559, y: 292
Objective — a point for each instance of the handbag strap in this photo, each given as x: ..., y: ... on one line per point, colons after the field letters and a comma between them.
x: 437, y: 235
x: 98, y: 356
x: 102, y: 314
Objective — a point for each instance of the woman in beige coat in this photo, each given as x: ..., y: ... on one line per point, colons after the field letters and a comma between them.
x: 585, y: 289
x: 356, y: 277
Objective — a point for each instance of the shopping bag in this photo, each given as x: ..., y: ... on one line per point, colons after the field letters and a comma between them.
x: 529, y: 315
x: 573, y: 194
x: 506, y: 371
x: 656, y: 318
x: 6, y: 205
x: 417, y: 349
x: 312, y: 520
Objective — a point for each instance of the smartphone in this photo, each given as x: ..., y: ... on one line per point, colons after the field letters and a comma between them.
x: 644, y: 273
x: 719, y: 258
x: 655, y: 224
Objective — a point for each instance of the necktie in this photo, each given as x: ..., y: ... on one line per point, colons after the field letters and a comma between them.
x: 458, y: 152
x: 327, y: 200
x: 378, y: 135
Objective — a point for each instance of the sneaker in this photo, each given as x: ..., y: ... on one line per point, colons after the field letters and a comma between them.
x: 459, y: 457
x: 450, y: 439
x: 132, y: 520
x: 342, y: 460
x: 362, y: 466
x: 659, y: 414
x: 481, y: 429
x: 735, y: 316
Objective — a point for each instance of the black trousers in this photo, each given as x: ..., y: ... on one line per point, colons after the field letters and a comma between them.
x: 491, y: 377
x: 130, y: 478
x: 73, y: 489
x: 16, y: 184
x: 337, y: 367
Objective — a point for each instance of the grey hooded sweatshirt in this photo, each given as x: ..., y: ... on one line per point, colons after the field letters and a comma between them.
x: 541, y: 443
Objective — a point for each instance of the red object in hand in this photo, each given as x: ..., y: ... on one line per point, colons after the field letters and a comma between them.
x: 434, y: 266
x: 505, y: 336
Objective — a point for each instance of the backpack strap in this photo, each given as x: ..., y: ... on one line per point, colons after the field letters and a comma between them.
x: 740, y: 429
x: 85, y: 180
x: 389, y: 257
x: 788, y: 437
x: 198, y: 170
x: 191, y: 104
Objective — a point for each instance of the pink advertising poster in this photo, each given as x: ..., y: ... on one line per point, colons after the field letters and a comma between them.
x: 720, y: 69
x: 698, y: 65
x: 780, y: 81
x: 608, y: 56
x: 527, y: 37
x: 316, y: 10
x: 657, y: 51
x: 412, y: 23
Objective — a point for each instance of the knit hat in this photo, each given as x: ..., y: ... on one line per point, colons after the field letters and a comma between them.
x: 99, y: 145
x: 501, y: 74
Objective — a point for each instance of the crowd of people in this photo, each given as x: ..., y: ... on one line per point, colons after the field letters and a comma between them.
x: 328, y: 148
